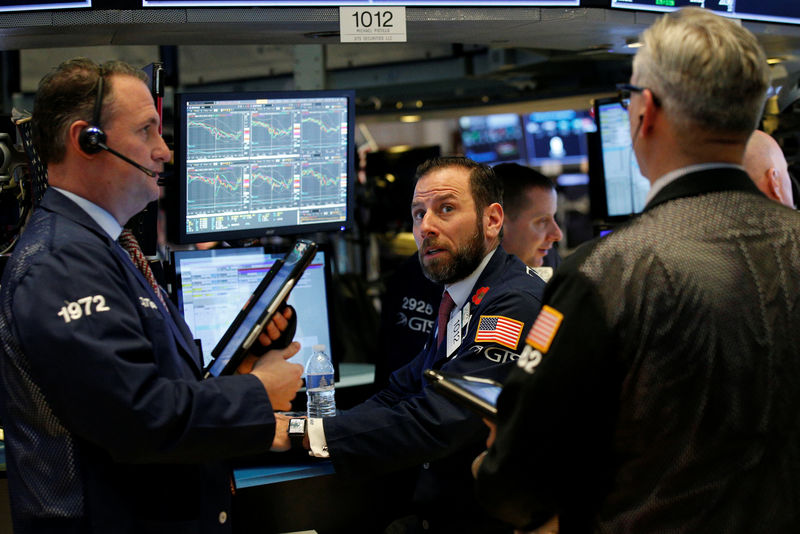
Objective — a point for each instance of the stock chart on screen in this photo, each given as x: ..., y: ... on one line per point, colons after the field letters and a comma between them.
x: 263, y: 163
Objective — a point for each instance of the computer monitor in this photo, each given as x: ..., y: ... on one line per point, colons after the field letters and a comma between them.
x: 211, y: 286
x: 557, y: 136
x: 492, y: 139
x: 255, y: 164
x: 617, y: 188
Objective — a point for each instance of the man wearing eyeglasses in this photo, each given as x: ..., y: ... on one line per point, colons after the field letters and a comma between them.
x: 658, y: 391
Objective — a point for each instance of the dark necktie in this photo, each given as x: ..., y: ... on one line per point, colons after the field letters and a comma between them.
x: 131, y: 246
x: 445, y: 308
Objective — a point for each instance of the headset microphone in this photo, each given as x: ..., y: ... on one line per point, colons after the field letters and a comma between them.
x: 92, y: 139
x: 142, y: 168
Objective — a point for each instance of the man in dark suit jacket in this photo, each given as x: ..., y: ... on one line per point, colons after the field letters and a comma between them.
x: 457, y: 220
x: 658, y: 391
x: 108, y: 425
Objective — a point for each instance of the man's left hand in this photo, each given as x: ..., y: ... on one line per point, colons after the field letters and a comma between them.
x: 271, y: 332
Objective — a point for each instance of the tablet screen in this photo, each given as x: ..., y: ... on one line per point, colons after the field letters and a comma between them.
x: 252, y: 318
x: 486, y: 391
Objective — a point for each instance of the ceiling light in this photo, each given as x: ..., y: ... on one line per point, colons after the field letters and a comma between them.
x: 396, y: 149
x: 411, y: 118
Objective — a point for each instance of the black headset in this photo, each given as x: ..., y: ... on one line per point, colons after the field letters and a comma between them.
x: 92, y: 138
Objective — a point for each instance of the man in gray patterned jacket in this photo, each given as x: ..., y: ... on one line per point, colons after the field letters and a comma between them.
x: 658, y: 391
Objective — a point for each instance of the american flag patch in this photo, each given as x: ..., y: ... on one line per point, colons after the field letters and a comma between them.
x: 545, y: 328
x: 500, y: 330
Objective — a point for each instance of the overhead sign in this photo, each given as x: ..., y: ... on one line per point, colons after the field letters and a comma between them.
x: 786, y: 11
x: 372, y: 24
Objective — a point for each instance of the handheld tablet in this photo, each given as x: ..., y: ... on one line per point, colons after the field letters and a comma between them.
x: 273, y: 291
x: 476, y: 393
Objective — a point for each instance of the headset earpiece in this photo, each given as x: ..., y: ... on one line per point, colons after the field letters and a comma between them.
x: 93, y: 137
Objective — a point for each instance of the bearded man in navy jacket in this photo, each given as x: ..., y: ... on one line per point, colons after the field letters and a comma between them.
x: 458, y: 219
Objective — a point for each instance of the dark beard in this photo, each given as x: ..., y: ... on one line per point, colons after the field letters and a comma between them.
x: 465, y: 260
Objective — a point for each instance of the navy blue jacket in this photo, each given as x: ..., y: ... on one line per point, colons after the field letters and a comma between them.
x: 108, y: 425
x: 408, y: 424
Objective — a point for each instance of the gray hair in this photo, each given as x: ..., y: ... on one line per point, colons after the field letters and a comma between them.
x: 707, y: 70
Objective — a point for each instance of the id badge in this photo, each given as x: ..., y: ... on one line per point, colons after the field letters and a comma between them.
x: 466, y: 315
x: 453, y: 334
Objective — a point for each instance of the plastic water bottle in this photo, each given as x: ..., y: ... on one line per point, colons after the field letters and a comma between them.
x: 319, y: 384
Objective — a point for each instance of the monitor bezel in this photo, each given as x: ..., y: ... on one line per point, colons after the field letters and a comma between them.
x: 178, y: 224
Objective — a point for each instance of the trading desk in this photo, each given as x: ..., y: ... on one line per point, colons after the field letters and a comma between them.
x: 287, y: 492
x: 294, y: 493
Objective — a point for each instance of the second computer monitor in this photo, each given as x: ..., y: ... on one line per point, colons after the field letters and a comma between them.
x: 213, y: 285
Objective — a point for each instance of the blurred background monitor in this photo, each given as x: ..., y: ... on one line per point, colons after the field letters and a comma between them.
x: 617, y: 188
x: 557, y: 136
x: 40, y: 5
x: 257, y: 164
x: 492, y: 139
x: 211, y: 286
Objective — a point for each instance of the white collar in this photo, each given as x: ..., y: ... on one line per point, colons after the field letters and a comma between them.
x: 459, y: 291
x: 103, y: 218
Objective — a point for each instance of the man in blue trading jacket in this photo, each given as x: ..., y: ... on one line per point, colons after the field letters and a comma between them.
x: 659, y: 389
x: 458, y: 218
x: 108, y: 427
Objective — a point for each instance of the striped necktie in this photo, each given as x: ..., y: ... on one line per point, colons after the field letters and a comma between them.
x: 131, y: 246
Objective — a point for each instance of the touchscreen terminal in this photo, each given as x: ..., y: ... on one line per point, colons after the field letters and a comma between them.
x: 273, y: 290
x: 476, y: 393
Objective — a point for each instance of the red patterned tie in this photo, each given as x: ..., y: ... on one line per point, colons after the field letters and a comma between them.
x: 445, y: 308
x: 131, y: 246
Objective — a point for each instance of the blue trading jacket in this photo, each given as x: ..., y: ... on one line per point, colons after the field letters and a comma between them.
x: 108, y: 425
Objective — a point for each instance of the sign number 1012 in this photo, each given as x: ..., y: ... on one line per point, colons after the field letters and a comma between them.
x: 376, y: 19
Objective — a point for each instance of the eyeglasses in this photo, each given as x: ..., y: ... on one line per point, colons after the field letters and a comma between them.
x: 625, y: 90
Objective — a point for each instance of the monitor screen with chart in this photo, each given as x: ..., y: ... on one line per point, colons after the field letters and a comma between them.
x: 493, y: 139
x: 617, y: 187
x: 258, y: 164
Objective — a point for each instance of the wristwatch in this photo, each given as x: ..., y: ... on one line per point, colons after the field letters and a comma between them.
x: 297, y: 431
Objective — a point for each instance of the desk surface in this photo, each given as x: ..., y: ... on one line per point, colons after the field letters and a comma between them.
x: 355, y: 374
x: 246, y: 477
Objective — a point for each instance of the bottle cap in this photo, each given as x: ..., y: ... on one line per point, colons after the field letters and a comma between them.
x: 318, y: 348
